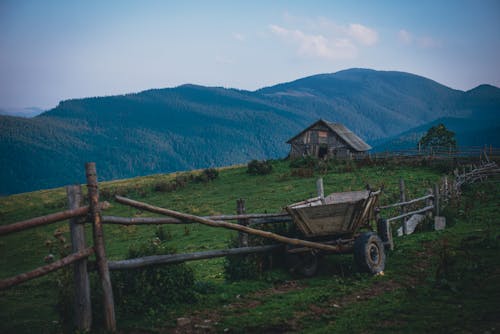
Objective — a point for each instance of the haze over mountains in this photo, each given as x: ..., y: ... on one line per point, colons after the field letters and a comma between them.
x: 190, y: 126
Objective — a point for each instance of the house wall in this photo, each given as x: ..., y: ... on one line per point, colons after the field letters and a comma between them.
x: 311, y: 142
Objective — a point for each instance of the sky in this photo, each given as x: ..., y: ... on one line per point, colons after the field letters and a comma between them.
x: 57, y: 50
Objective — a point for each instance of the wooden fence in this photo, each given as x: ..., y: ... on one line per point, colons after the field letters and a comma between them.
x: 78, y: 215
x: 475, y: 152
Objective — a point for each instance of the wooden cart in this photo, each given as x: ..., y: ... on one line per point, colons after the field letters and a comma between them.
x: 337, y: 220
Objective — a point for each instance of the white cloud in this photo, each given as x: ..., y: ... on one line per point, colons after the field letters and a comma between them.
x: 316, y: 45
x: 424, y: 42
x: 427, y: 42
x: 239, y: 37
x: 362, y: 34
x: 323, y: 38
x: 405, y: 37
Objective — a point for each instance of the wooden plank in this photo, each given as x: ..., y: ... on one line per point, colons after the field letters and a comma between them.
x: 425, y: 209
x: 213, y: 223
x: 82, y: 304
x: 42, y: 271
x: 179, y: 258
x: 407, y: 202
x: 258, y: 218
x: 43, y: 220
x: 102, y: 263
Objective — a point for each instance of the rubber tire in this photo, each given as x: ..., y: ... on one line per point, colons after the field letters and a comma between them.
x: 369, y: 253
x: 306, y: 264
x: 384, y: 231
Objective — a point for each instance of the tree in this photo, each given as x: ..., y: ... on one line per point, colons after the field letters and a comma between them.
x: 438, y: 136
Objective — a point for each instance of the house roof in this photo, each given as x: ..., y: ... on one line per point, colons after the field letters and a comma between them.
x: 347, y: 135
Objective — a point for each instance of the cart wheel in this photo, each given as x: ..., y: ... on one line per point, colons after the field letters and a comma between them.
x: 384, y: 231
x: 305, y: 264
x: 369, y: 253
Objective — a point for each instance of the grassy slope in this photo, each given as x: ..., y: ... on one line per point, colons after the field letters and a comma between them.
x: 401, y: 299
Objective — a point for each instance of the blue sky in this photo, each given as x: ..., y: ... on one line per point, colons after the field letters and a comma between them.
x: 56, y: 50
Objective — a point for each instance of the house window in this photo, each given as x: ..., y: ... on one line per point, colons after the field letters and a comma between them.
x: 322, y: 137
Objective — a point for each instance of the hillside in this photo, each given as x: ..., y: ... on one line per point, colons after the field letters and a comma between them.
x: 433, y: 280
x: 165, y: 130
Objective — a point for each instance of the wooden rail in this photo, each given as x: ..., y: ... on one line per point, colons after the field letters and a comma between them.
x: 178, y: 258
x: 44, y: 220
x: 41, y: 271
x: 213, y: 223
x: 256, y: 218
x: 423, y: 198
x: 407, y: 214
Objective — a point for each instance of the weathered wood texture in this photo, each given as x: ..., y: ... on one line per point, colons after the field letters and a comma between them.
x: 402, y: 199
x: 213, y: 223
x: 425, y: 209
x: 82, y: 304
x: 407, y: 202
x: 178, y: 258
x: 43, y: 220
x: 102, y: 264
x: 436, y: 200
x: 242, y: 236
x: 253, y: 218
x: 41, y: 271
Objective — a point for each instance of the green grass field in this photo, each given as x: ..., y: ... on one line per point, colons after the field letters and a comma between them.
x: 445, y: 281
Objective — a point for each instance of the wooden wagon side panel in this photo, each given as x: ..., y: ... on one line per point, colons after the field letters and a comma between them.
x: 327, y: 219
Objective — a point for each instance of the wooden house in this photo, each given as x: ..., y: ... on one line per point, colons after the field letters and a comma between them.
x: 326, y: 140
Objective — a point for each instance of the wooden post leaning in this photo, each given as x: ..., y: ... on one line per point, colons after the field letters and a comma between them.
x: 242, y: 236
x: 402, y: 198
x: 82, y: 304
x: 102, y: 262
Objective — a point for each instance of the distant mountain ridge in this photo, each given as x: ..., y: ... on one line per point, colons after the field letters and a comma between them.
x: 191, y: 126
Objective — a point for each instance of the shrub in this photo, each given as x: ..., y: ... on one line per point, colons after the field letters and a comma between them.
x: 253, y: 266
x: 207, y: 175
x: 152, y: 288
x: 304, y: 162
x: 256, y: 167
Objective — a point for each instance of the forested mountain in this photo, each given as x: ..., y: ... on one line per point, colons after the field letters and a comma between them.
x: 165, y: 130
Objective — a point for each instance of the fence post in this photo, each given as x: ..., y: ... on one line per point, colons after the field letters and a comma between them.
x: 436, y: 200
x: 82, y: 304
x: 102, y: 262
x: 320, y: 190
x: 402, y: 198
x: 240, y: 209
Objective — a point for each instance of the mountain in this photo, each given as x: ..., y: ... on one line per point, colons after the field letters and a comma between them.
x: 190, y: 126
x: 21, y: 112
x: 480, y: 125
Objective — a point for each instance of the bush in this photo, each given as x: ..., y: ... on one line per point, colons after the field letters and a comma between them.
x: 305, y: 162
x: 207, y: 175
x: 253, y: 266
x: 153, y: 288
x: 256, y: 167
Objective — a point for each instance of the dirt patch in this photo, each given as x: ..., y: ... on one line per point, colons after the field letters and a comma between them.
x: 206, y: 321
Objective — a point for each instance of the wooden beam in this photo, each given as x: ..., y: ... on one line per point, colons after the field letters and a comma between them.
x: 43, y: 220
x: 427, y: 208
x: 98, y: 235
x: 41, y: 271
x: 213, y: 223
x: 258, y: 218
x: 407, y: 202
x: 179, y: 258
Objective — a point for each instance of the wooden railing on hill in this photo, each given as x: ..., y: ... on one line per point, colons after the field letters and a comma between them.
x: 78, y: 215
x: 439, y: 153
